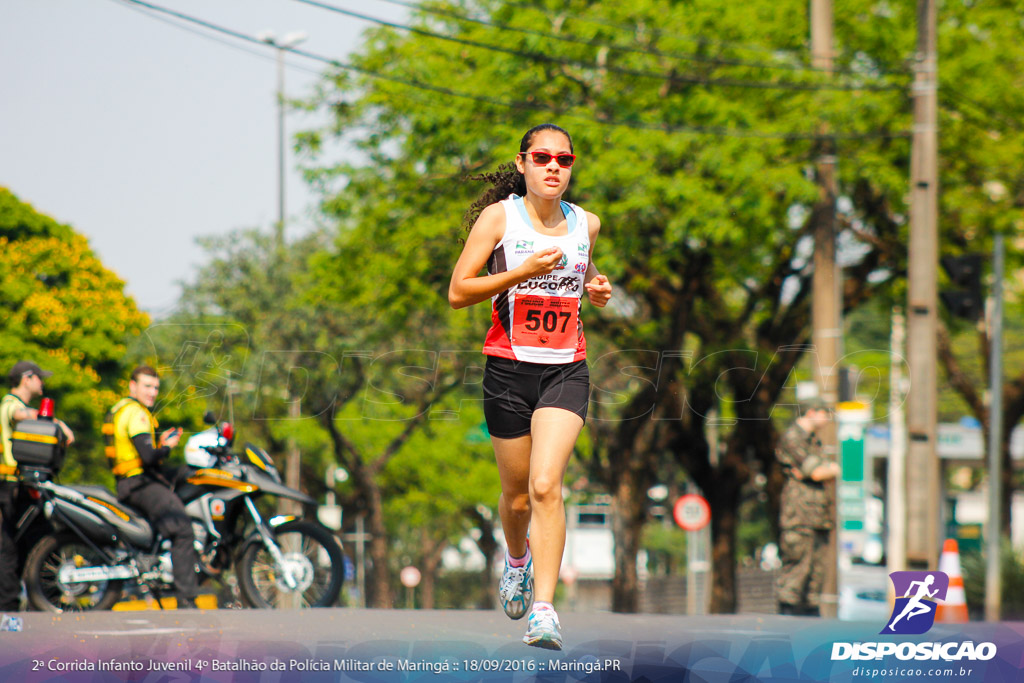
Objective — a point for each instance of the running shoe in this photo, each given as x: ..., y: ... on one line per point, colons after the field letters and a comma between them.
x: 544, y: 630
x: 515, y: 591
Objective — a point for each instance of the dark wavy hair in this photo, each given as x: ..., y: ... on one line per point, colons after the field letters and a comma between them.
x: 506, y: 179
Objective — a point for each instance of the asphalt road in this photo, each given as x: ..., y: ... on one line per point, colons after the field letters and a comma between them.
x: 420, y: 645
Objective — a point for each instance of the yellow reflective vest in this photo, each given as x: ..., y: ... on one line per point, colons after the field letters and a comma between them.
x: 8, y: 405
x: 126, y: 420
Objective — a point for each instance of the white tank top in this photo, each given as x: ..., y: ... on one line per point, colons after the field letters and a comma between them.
x: 538, y: 320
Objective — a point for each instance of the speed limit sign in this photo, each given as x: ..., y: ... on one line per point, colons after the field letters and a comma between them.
x: 692, y: 512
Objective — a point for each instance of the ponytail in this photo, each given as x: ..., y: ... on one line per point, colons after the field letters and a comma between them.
x: 507, y: 179
x: 504, y: 181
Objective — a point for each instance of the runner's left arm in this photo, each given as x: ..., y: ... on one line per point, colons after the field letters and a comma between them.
x: 599, y: 289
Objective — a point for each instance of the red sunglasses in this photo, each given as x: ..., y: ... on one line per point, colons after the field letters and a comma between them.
x: 544, y: 158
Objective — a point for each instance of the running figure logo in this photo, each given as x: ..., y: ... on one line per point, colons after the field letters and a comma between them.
x: 914, y: 612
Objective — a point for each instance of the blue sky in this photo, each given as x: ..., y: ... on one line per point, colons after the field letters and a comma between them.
x: 143, y: 136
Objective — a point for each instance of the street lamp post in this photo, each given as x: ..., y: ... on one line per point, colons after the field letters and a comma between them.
x: 290, y: 39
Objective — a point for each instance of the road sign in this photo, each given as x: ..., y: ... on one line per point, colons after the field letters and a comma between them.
x: 692, y: 512
x: 852, y: 419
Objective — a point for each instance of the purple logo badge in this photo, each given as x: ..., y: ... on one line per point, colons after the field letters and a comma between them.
x: 916, y: 597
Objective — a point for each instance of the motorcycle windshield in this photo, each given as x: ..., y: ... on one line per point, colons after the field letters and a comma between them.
x: 261, y: 459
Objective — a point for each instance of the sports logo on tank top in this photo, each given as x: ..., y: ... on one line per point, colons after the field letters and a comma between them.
x: 551, y: 283
x: 524, y: 247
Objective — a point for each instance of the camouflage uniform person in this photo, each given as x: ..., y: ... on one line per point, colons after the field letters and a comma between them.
x: 806, y: 518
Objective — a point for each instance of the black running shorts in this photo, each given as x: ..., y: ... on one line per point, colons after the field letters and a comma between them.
x: 514, y: 389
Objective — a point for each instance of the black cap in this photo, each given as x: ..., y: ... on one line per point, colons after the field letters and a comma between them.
x: 25, y: 367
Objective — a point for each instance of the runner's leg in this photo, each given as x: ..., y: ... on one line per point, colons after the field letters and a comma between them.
x: 513, y: 458
x: 554, y: 432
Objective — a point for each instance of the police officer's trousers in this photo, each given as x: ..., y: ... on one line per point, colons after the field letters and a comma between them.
x: 167, y: 513
x: 10, y: 581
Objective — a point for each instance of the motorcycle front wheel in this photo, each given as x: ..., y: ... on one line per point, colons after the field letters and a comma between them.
x: 311, y: 555
x: 48, y: 593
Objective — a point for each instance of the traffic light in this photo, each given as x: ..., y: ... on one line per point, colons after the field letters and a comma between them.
x: 965, y: 272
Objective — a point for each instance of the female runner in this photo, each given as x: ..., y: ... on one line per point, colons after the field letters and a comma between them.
x: 538, y: 253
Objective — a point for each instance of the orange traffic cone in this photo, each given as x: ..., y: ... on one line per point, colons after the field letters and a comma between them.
x: 952, y: 610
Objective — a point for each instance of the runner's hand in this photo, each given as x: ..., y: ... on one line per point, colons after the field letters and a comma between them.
x: 600, y: 291
x: 541, y: 262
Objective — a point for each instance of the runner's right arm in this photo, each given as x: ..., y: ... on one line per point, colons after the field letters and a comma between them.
x: 467, y: 287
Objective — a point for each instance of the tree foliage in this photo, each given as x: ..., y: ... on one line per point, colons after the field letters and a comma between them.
x: 698, y: 127
x: 250, y: 343
x: 68, y: 313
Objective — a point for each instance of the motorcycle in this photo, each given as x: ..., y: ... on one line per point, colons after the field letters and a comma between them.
x: 93, y: 546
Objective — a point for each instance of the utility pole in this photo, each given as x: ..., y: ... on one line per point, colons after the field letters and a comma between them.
x: 895, y: 502
x: 292, y: 473
x: 923, y: 491
x: 993, y: 530
x: 826, y: 300
x: 279, y: 226
x: 289, y: 40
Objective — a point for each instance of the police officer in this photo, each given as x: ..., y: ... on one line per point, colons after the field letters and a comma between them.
x: 136, y: 458
x: 805, y: 519
x: 26, y: 382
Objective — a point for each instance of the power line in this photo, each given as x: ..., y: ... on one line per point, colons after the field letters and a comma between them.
x: 987, y: 112
x: 885, y: 69
x: 654, y: 52
x: 208, y: 36
x: 522, y: 105
x: 655, y: 31
x: 636, y: 73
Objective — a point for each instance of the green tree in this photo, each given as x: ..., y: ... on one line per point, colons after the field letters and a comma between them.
x: 694, y: 125
x: 966, y: 360
x: 252, y: 344
x: 696, y: 184
x: 982, y: 181
x: 242, y: 346
x: 396, y: 396
x: 67, y: 312
x: 433, y: 489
